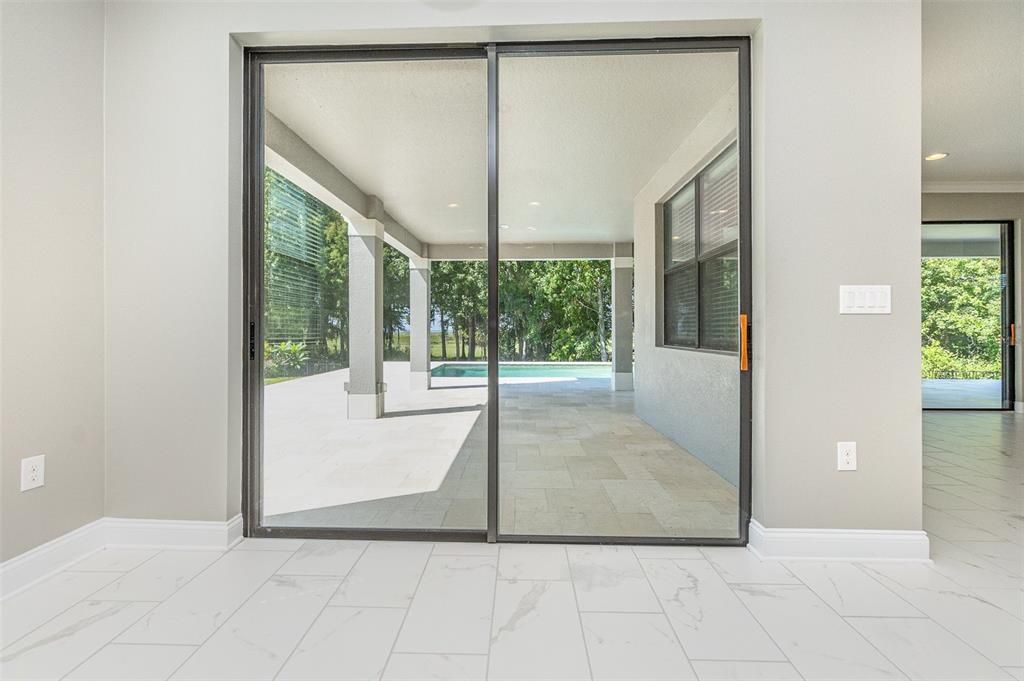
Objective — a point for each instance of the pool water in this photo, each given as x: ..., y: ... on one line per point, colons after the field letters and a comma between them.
x: 523, y: 370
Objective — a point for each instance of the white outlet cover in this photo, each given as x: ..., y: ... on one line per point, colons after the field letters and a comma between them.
x: 847, y: 456
x: 33, y: 472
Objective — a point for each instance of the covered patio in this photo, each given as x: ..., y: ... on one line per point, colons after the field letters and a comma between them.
x: 394, y: 444
x: 576, y: 459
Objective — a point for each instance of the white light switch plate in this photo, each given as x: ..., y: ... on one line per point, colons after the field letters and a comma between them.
x: 865, y: 299
x: 847, y: 452
x: 33, y: 472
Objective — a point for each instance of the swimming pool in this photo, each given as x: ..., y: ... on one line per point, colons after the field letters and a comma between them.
x: 523, y: 370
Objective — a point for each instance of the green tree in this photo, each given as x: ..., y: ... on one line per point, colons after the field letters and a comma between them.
x: 961, y: 315
x: 396, y: 301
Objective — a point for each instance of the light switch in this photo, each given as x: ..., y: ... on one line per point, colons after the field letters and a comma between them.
x: 865, y: 299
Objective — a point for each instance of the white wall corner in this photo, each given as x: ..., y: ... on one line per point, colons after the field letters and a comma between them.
x: 840, y: 545
x: 1018, y: 407
x: 37, y: 564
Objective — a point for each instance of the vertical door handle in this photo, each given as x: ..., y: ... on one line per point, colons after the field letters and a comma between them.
x: 744, y: 345
x: 1013, y: 334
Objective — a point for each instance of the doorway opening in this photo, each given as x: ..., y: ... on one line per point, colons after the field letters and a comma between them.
x: 445, y: 338
x: 967, y: 329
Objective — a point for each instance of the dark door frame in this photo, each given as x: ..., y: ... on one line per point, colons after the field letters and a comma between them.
x: 1008, y: 310
x: 252, y: 243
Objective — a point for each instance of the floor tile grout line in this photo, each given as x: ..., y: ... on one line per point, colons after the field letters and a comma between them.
x: 494, y: 602
x: 124, y: 629
x: 661, y: 608
x: 868, y: 572
x: 323, y: 608
x: 88, y: 596
x: 854, y: 629
x: 408, y: 607
x: 761, y: 624
x: 579, y: 613
x: 232, y: 614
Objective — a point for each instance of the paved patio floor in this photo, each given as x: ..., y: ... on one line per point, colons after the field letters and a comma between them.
x: 575, y: 459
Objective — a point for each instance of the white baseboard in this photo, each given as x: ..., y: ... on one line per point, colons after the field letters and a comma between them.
x: 179, y: 534
x: 845, y: 545
x: 41, y: 562
x: 45, y: 559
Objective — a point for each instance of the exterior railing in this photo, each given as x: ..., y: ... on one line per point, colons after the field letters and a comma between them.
x: 962, y: 375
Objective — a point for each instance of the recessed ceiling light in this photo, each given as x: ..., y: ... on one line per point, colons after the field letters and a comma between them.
x: 534, y: 203
x: 504, y: 226
x: 532, y: 229
x: 453, y: 205
x: 675, y: 238
x: 937, y: 156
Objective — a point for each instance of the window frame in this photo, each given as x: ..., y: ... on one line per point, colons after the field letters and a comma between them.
x: 699, y: 257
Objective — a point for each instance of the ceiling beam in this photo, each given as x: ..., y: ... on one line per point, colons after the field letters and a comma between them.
x: 533, y: 251
x: 290, y: 155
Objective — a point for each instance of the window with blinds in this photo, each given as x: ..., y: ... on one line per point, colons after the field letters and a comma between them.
x: 294, y: 235
x: 701, y: 268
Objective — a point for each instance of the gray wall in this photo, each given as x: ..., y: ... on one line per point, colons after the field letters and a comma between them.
x: 818, y: 377
x: 692, y: 397
x: 51, y: 268
x: 171, y: 129
x: 1001, y: 206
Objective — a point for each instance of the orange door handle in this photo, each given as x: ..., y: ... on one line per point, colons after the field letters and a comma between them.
x: 744, y: 345
x: 1013, y: 334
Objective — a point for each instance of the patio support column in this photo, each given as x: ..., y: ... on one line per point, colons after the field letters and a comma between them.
x: 622, y: 317
x: 419, y: 323
x: 365, y: 385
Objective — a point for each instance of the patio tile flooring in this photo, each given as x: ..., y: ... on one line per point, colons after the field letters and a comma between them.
x: 575, y: 460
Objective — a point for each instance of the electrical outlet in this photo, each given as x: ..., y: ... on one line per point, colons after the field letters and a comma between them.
x: 847, y: 456
x: 33, y: 472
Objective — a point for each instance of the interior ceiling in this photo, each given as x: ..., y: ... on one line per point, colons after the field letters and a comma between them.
x: 973, y: 90
x: 580, y: 136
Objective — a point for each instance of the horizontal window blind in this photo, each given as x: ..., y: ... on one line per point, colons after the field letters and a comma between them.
x: 720, y: 202
x: 680, y: 220
x: 681, y: 306
x: 719, y: 302
x: 701, y: 265
x: 294, y: 249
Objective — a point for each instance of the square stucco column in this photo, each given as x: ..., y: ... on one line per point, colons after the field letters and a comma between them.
x: 365, y: 385
x: 419, y: 323
x: 622, y: 319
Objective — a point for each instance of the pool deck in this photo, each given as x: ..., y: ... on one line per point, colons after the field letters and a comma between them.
x: 574, y: 459
x: 961, y: 393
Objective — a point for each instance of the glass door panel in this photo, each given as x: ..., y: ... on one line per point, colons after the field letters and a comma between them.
x: 374, y: 407
x: 619, y: 190
x: 965, y: 316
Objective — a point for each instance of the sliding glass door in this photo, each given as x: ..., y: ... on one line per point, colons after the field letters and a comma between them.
x: 967, y: 331
x: 606, y: 433
x: 368, y: 162
x: 499, y: 292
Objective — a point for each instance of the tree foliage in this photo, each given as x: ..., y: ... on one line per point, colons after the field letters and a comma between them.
x: 961, y: 302
x: 557, y: 310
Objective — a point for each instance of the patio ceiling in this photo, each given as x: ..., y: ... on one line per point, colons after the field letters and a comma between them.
x: 581, y: 135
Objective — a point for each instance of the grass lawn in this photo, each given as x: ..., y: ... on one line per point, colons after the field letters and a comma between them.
x: 402, y: 342
x: 278, y: 379
x: 435, y: 347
